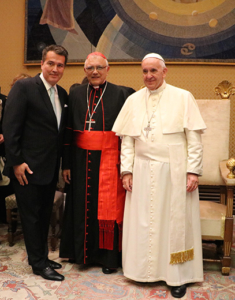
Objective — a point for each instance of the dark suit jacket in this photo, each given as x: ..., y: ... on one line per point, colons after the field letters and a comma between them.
x: 3, y: 98
x: 30, y: 130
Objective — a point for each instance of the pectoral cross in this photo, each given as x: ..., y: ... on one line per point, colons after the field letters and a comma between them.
x: 147, y: 129
x: 89, y: 122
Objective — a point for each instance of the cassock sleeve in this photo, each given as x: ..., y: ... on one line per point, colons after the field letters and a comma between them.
x: 127, y: 154
x: 195, y: 151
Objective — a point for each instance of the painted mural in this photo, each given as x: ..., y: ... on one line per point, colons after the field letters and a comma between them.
x: 126, y: 30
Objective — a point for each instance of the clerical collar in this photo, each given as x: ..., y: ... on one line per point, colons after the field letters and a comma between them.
x: 98, y: 86
x: 159, y: 90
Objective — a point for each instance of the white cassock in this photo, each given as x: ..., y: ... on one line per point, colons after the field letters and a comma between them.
x: 161, y: 227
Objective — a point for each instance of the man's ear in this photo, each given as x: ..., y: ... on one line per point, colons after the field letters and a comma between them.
x: 164, y: 72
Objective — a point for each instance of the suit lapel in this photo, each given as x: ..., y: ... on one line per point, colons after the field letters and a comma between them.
x: 61, y: 98
x: 46, y: 99
x: 62, y: 103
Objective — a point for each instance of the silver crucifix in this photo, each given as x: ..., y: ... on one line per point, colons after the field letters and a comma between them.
x: 147, y: 129
x: 89, y: 122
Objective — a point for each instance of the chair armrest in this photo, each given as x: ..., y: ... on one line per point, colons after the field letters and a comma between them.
x: 224, y: 172
x: 230, y: 183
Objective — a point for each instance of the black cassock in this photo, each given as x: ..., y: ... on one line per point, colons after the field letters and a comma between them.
x: 80, y: 234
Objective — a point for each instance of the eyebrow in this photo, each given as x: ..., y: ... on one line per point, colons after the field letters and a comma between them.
x: 152, y: 69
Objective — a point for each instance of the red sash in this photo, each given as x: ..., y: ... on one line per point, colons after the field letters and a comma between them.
x: 111, y: 196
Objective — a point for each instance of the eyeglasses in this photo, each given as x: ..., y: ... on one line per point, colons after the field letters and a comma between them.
x: 92, y: 69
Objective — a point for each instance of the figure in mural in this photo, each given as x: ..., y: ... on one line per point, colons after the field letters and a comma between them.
x: 59, y: 13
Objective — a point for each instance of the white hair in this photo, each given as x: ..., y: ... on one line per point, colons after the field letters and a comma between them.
x: 106, y: 61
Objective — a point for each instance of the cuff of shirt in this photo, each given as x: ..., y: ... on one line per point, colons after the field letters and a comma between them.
x: 125, y: 173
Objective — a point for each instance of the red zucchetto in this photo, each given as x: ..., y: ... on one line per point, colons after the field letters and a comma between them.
x: 96, y: 54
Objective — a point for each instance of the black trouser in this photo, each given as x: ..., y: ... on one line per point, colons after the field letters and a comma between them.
x: 5, y: 191
x: 35, y: 203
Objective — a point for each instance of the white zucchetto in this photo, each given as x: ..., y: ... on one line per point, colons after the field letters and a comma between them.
x: 153, y: 55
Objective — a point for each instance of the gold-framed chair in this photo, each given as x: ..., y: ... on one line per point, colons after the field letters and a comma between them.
x: 217, y: 218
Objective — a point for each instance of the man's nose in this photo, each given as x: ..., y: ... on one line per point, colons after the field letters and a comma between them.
x: 149, y: 74
x: 55, y: 68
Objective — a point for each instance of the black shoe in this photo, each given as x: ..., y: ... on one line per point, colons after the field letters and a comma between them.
x: 106, y: 270
x: 178, y: 291
x: 54, y: 265
x: 49, y: 274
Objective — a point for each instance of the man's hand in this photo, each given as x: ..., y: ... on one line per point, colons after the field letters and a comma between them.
x: 19, y: 171
x: 1, y: 138
x: 66, y: 174
x: 192, y: 182
x: 127, y: 182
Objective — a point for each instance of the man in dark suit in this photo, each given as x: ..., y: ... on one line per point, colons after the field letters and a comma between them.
x: 33, y: 127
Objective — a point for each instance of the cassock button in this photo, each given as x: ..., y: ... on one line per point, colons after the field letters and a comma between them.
x: 89, y: 153
x: 89, y: 161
